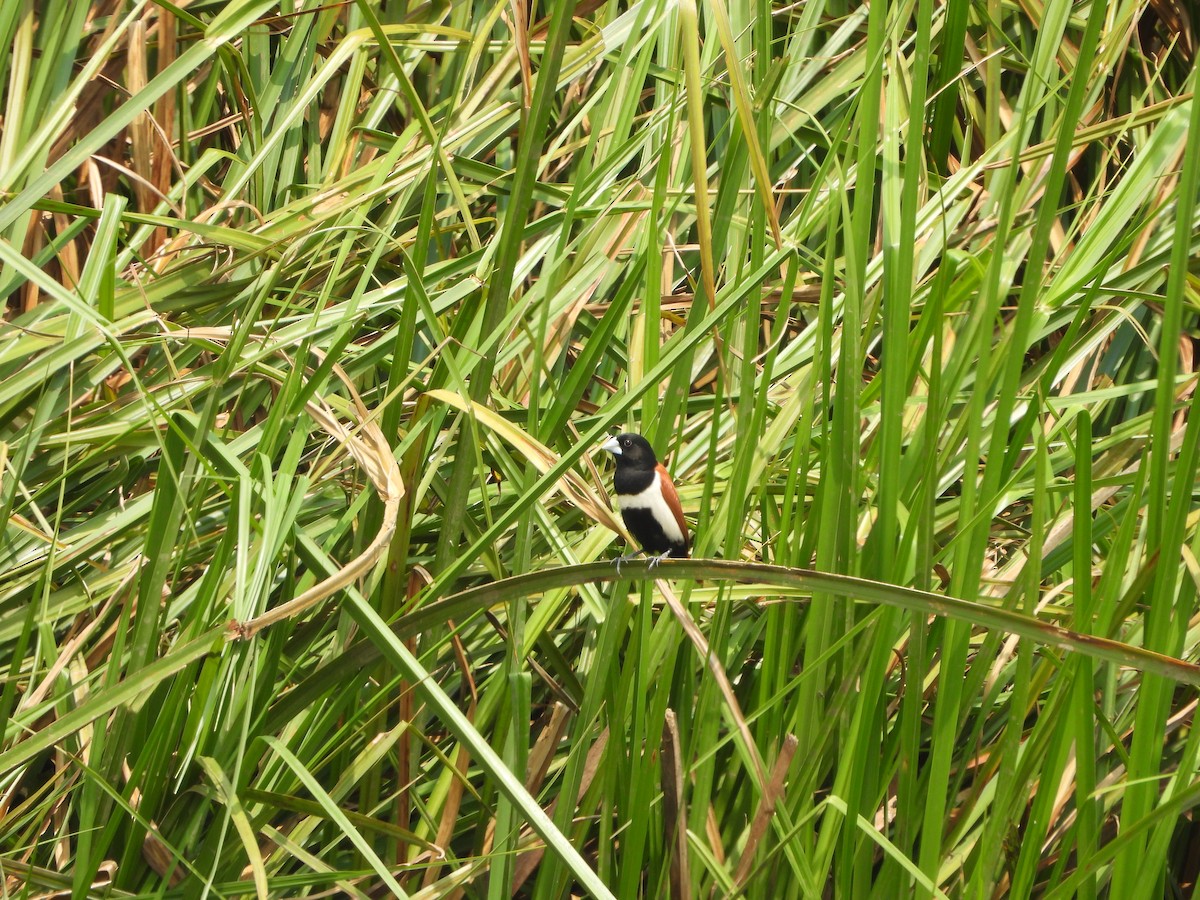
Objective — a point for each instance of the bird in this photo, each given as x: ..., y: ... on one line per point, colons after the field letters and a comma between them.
x: 647, y: 499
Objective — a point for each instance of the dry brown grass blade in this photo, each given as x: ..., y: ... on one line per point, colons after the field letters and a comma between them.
x: 366, y: 443
x: 674, y: 810
x: 528, y: 862
x: 696, y: 636
x: 766, y: 807
x: 540, y: 759
x: 561, y: 328
x: 546, y: 745
x: 541, y: 456
x: 452, y: 805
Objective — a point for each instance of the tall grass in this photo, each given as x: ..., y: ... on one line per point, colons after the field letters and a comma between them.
x: 316, y: 315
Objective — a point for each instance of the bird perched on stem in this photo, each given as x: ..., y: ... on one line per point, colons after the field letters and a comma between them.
x: 647, y: 499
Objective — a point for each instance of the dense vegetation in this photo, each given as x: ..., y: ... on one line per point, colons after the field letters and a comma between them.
x: 316, y: 315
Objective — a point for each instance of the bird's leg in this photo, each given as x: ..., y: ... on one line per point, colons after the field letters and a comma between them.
x: 655, y: 560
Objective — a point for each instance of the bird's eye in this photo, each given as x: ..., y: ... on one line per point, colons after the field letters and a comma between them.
x: 627, y: 442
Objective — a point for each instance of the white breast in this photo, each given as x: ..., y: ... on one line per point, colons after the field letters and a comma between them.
x: 652, y: 499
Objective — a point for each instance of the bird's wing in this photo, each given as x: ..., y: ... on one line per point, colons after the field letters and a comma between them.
x: 672, y: 497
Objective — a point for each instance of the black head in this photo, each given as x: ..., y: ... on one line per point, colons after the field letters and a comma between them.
x: 631, y: 450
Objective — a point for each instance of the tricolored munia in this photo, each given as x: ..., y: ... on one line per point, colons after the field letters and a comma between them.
x: 647, y: 499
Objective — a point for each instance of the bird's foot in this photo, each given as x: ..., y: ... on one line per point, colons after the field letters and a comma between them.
x: 623, y: 559
x: 655, y: 560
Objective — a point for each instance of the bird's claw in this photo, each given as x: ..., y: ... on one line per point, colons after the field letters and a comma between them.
x: 655, y: 560
x: 620, y: 559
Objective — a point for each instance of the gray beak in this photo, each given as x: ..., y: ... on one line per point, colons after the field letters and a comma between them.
x: 611, y: 446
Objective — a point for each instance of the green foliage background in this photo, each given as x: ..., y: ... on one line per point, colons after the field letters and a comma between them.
x: 316, y: 315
